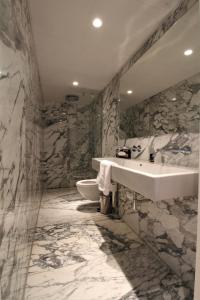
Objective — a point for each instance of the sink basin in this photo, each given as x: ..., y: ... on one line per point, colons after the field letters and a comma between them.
x: 154, y: 181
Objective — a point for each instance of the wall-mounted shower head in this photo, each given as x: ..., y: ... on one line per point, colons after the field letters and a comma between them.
x: 71, y: 98
x: 116, y: 100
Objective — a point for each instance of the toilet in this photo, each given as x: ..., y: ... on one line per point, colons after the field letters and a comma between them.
x: 88, y: 189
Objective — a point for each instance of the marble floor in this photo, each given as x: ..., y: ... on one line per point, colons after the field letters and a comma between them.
x: 80, y: 254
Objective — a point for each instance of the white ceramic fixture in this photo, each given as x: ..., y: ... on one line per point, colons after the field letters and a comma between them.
x: 88, y: 189
x: 154, y: 181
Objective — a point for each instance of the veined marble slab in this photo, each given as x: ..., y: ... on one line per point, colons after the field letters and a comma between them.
x: 94, y: 258
x: 169, y: 227
x: 72, y: 135
x: 20, y: 146
x: 159, y: 115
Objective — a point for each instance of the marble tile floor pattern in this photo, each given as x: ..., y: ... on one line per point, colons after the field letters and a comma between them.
x: 79, y: 254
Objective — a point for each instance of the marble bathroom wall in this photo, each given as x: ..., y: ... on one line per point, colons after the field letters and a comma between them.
x: 160, y: 115
x: 96, y: 126
x: 110, y: 118
x: 72, y: 136
x: 169, y: 227
x: 20, y: 146
x: 159, y: 125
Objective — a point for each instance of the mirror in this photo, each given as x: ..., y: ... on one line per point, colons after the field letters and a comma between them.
x: 160, y: 93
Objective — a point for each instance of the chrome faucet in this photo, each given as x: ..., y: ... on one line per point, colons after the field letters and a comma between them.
x: 173, y: 149
x: 176, y: 149
x: 153, y: 153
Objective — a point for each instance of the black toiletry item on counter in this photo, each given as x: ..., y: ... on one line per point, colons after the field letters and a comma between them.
x: 123, y: 152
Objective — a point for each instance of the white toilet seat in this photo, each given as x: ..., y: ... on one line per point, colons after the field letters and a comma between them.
x: 87, y: 182
x: 88, y: 188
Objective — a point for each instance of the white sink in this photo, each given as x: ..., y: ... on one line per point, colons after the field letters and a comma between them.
x: 154, y: 181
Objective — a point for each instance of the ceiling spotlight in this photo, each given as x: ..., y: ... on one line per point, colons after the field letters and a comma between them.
x: 188, y: 52
x: 129, y: 92
x: 75, y: 83
x: 174, y: 99
x: 97, y: 23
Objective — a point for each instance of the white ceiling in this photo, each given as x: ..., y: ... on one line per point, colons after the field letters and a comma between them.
x: 69, y: 48
x: 164, y: 64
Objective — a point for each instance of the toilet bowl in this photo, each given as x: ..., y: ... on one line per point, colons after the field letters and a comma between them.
x: 88, y: 189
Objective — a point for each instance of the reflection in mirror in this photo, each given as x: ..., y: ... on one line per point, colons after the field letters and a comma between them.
x: 161, y: 93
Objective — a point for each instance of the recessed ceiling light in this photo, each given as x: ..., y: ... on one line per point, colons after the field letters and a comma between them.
x: 97, y: 23
x: 188, y: 52
x: 129, y: 92
x: 174, y: 99
x: 75, y: 83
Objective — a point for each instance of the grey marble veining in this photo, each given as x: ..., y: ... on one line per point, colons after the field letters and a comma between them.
x: 20, y: 146
x: 110, y: 118
x: 96, y: 126
x: 72, y: 136
x: 158, y: 124
x: 169, y: 227
x: 160, y: 115
x: 92, y: 256
x: 160, y: 145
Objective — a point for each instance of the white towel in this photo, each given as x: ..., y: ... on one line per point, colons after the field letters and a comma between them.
x: 104, y: 176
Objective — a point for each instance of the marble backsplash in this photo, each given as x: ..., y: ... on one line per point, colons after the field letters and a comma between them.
x: 160, y: 115
x: 160, y: 145
x: 20, y: 146
x: 72, y: 136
